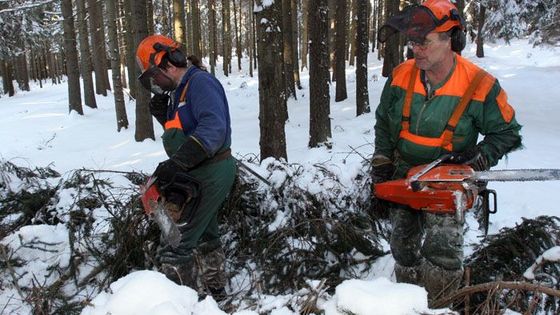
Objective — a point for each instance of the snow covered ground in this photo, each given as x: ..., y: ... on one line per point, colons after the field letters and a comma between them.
x: 36, y: 130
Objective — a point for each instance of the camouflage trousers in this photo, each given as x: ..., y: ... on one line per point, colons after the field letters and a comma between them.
x: 428, y: 249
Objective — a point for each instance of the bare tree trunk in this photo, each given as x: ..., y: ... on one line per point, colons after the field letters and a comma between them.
x: 226, y: 37
x: 150, y: 16
x: 7, y: 78
x: 189, y: 16
x: 319, y: 105
x: 295, y: 55
x: 144, y: 125
x: 331, y: 34
x: 391, y: 50
x: 74, y: 95
x: 304, y: 33
x: 237, y: 26
x: 22, y: 74
x: 272, y: 99
x: 97, y: 31
x: 85, y: 57
x: 254, y: 32
x: 362, y: 96
x: 130, y: 48
x: 352, y: 42
x: 340, y: 51
x: 380, y: 9
x: 195, y: 11
x: 179, y: 25
x: 114, y: 54
x: 251, y: 38
x: 479, y: 38
x: 288, y: 48
x: 213, y: 35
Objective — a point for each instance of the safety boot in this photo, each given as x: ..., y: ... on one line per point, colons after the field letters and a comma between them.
x: 440, y: 282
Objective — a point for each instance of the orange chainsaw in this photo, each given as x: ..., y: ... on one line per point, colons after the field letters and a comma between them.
x: 453, y: 188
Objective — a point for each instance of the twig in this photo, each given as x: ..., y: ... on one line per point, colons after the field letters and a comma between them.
x: 495, y: 286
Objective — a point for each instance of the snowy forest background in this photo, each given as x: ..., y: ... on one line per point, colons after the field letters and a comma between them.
x: 78, y: 139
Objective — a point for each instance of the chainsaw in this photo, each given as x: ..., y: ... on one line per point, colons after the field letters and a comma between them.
x: 454, y: 188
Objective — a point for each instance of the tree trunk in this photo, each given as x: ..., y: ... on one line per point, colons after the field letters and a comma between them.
x: 251, y: 38
x: 7, y: 78
x: 362, y: 96
x: 237, y: 25
x: 74, y: 95
x: 144, y: 125
x: 391, y: 50
x: 340, y: 51
x: 179, y: 25
x: 272, y: 97
x: 479, y: 38
x: 319, y: 98
x: 352, y: 38
x: 295, y: 56
x: 380, y: 9
x: 213, y: 35
x: 130, y: 48
x: 304, y: 34
x: 85, y: 57
x: 150, y: 16
x: 288, y: 48
x: 97, y: 31
x: 331, y: 33
x: 114, y: 54
x: 226, y: 36
x: 195, y: 11
x: 22, y: 74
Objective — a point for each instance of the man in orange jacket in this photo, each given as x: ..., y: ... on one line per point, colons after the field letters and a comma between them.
x: 437, y: 103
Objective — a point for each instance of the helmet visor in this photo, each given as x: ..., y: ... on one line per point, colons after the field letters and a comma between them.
x: 415, y: 22
x: 148, y: 82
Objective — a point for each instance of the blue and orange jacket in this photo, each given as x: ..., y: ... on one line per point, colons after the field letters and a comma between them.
x: 200, y: 110
x: 419, y: 128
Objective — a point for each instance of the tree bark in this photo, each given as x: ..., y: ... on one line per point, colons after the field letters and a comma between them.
x: 237, y: 25
x: 144, y: 125
x: 391, y: 50
x: 114, y: 54
x: 179, y: 25
x: 226, y: 37
x: 362, y: 96
x: 340, y: 51
x: 295, y: 56
x: 479, y: 37
x: 288, y: 48
x: 304, y: 34
x: 213, y: 35
x: 97, y: 31
x: 130, y: 48
x: 195, y: 12
x: 74, y: 95
x: 352, y: 41
x: 85, y: 56
x: 319, y: 105
x: 272, y: 97
x: 7, y: 78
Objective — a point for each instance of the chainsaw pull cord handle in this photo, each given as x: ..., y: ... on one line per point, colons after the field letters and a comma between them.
x: 486, y: 210
x: 414, y: 180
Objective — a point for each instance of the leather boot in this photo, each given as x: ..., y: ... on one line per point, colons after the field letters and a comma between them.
x: 184, y: 273
x: 406, y: 274
x: 440, y: 282
x: 211, y: 267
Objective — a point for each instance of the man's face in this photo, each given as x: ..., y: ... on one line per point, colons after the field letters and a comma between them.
x: 163, y: 79
x: 430, y: 53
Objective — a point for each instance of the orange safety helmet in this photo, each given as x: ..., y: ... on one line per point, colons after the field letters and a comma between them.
x: 152, y: 49
x: 417, y: 21
x: 445, y: 13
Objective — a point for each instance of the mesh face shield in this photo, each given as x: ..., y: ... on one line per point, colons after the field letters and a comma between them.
x: 415, y: 22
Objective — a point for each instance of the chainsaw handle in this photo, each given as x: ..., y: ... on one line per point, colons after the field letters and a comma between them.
x: 486, y: 210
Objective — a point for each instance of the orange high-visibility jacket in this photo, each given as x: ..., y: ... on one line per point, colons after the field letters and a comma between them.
x: 419, y: 128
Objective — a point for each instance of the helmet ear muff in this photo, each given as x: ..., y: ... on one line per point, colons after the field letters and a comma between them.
x: 174, y: 55
x: 458, y: 39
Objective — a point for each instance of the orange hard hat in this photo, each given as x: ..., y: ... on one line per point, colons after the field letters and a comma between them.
x: 151, y: 50
x: 445, y: 13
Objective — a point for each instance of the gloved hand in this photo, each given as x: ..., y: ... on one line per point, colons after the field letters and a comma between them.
x: 158, y: 107
x: 165, y: 172
x: 382, y: 169
x: 472, y: 157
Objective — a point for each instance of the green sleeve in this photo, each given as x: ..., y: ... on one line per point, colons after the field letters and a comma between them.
x: 500, y: 136
x: 385, y: 144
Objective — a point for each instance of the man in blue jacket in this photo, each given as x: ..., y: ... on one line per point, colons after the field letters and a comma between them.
x: 197, y: 139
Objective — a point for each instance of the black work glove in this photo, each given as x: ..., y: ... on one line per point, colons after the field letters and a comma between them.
x: 382, y: 170
x: 165, y: 172
x: 158, y: 107
x: 472, y: 157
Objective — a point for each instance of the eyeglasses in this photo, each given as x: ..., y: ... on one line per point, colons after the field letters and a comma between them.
x: 422, y: 46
